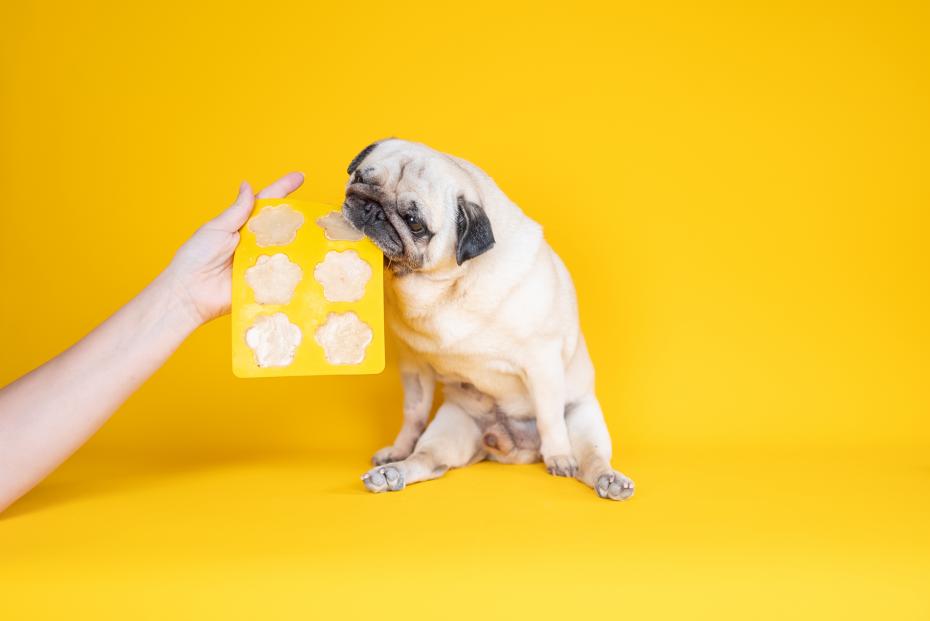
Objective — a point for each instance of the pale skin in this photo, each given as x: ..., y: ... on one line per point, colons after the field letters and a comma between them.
x: 47, y: 414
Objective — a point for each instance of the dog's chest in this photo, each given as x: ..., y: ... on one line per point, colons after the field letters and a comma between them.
x: 458, y: 336
x: 435, y: 320
x: 460, y: 347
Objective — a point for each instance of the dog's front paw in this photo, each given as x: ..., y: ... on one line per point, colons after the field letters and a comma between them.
x: 614, y: 485
x: 389, y: 454
x: 561, y: 465
x: 384, y: 479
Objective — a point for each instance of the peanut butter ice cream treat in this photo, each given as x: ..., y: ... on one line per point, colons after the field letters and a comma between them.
x: 273, y: 339
x: 343, y: 276
x: 273, y: 279
x: 276, y: 225
x: 344, y: 338
x: 337, y: 228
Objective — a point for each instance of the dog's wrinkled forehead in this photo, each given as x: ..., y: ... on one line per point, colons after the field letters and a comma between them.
x: 399, y: 166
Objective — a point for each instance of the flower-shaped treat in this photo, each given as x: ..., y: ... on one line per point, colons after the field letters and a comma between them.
x: 276, y: 225
x: 273, y: 339
x: 273, y: 279
x: 336, y: 227
x: 343, y: 276
x: 344, y: 338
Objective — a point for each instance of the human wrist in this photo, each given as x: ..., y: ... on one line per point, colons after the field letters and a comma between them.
x: 180, y: 309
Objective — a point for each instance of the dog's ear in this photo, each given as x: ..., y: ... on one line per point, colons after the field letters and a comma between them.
x: 364, y: 153
x: 358, y: 158
x: 474, y: 231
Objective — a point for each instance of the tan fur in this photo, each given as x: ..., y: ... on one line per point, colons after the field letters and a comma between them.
x: 500, y: 332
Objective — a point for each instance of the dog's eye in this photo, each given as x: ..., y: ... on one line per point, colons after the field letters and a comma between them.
x: 415, y: 225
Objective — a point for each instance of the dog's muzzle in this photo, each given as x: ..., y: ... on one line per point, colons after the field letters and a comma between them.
x: 369, y: 217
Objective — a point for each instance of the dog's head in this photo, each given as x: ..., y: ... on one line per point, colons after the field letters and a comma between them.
x: 419, y: 206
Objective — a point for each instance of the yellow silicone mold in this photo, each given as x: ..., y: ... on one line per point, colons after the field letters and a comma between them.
x: 308, y: 308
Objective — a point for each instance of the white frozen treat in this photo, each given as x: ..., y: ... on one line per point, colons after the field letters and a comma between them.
x: 343, y: 276
x: 337, y: 228
x: 276, y: 225
x: 273, y: 339
x: 273, y: 279
x: 344, y: 338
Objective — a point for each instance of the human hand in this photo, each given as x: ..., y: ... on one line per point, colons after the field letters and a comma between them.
x: 201, y: 272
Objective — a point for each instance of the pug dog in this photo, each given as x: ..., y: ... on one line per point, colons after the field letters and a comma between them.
x: 481, y: 304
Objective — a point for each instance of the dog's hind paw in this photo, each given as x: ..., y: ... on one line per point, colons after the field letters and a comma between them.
x: 614, y: 485
x: 384, y: 479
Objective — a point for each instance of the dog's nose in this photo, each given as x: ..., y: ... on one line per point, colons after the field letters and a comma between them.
x: 372, y: 211
x: 363, y: 209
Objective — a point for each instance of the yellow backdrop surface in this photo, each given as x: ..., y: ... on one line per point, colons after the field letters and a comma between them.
x: 740, y: 191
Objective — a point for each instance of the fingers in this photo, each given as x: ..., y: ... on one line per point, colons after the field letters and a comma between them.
x: 236, y: 214
x: 283, y: 186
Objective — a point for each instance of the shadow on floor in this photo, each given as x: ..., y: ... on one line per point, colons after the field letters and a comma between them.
x: 104, y: 473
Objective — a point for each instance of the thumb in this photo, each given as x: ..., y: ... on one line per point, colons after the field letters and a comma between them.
x: 236, y: 214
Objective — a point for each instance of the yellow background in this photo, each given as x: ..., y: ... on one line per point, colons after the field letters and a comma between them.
x: 739, y: 189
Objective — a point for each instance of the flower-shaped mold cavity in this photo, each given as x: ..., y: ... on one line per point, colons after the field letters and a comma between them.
x: 273, y: 339
x: 343, y: 338
x: 337, y: 228
x: 273, y: 279
x: 276, y: 225
x: 343, y: 276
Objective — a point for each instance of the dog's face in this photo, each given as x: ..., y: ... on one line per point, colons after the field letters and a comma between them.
x: 417, y: 205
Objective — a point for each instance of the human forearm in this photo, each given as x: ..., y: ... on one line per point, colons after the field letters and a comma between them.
x: 47, y: 414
